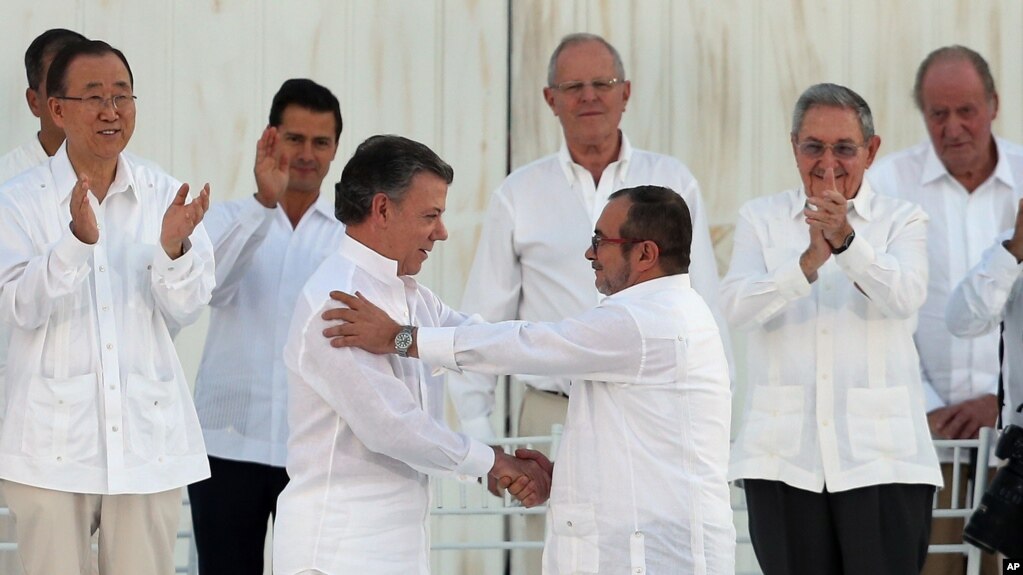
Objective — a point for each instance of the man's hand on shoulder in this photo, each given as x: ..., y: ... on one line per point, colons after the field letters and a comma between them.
x: 361, y: 324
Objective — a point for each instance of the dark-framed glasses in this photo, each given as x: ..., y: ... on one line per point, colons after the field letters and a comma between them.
x: 842, y: 150
x: 575, y: 87
x: 596, y: 240
x: 121, y: 102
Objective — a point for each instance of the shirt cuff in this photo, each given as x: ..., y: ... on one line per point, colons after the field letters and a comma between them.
x: 857, y: 258
x: 436, y: 347
x: 172, y: 270
x: 791, y: 282
x: 72, y: 252
x: 932, y: 400
x: 478, y: 428
x: 478, y: 462
x: 1003, y: 266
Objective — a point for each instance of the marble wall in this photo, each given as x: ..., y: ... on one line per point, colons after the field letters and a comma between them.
x: 713, y: 83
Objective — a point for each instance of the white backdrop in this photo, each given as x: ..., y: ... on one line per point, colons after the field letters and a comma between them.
x: 713, y: 83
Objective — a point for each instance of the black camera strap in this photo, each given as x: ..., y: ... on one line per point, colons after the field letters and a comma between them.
x: 1001, y: 373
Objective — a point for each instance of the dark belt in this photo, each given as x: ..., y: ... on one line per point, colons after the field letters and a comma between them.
x: 557, y: 393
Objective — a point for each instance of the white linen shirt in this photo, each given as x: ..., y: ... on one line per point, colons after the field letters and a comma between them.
x: 98, y: 402
x: 365, y: 431
x: 13, y: 163
x: 26, y: 156
x: 990, y: 294
x: 833, y: 392
x: 961, y: 226
x: 639, y: 484
x: 241, y: 389
x: 530, y: 265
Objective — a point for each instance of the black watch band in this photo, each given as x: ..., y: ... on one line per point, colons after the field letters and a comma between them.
x: 845, y: 245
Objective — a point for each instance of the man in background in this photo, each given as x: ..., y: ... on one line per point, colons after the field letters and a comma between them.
x: 266, y: 246
x: 968, y: 181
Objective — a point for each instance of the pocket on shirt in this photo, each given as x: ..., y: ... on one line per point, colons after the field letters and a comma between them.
x: 774, y: 423
x: 578, y: 546
x: 62, y: 418
x: 155, y: 426
x: 880, y: 423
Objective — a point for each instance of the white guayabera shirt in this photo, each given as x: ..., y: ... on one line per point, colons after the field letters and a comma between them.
x: 833, y: 392
x: 639, y: 484
x: 366, y: 430
x: 97, y: 400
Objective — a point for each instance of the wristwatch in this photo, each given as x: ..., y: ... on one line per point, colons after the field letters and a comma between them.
x: 845, y: 245
x: 403, y: 340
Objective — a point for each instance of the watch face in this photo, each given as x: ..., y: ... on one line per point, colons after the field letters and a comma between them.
x: 403, y: 340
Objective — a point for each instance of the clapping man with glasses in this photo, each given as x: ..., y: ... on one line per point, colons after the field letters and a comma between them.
x: 639, y: 484
x: 100, y: 255
x: 833, y: 448
x: 527, y: 263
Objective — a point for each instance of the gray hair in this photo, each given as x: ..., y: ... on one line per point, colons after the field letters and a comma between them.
x: 955, y: 52
x: 580, y: 38
x: 833, y: 96
x: 383, y: 165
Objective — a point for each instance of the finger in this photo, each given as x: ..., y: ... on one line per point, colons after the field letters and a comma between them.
x: 340, y: 330
x: 339, y: 342
x: 338, y: 314
x: 181, y: 196
x: 345, y: 298
x: 204, y: 198
x: 829, y: 180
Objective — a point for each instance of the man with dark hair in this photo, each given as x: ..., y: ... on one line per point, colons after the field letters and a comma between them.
x: 38, y: 57
x: 266, y: 246
x: 100, y: 257
x: 366, y: 432
x: 833, y: 449
x: 968, y: 181
x: 639, y: 485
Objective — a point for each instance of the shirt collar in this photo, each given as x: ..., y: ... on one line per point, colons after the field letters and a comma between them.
x: 621, y: 167
x: 934, y: 169
x: 378, y: 266
x: 324, y: 207
x: 860, y: 204
x: 65, y: 178
x: 643, y: 289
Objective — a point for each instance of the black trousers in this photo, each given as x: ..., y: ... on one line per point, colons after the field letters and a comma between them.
x: 874, y: 530
x: 229, y: 515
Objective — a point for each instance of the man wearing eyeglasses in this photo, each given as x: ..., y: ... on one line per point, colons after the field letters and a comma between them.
x: 968, y: 182
x: 639, y: 485
x: 99, y: 256
x: 833, y: 449
x: 527, y: 265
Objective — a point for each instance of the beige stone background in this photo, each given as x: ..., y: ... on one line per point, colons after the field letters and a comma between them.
x: 713, y: 84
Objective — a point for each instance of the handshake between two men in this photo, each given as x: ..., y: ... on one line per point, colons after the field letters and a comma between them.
x: 526, y: 475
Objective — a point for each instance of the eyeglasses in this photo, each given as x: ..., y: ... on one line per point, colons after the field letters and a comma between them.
x: 596, y: 240
x: 575, y: 87
x: 843, y: 150
x: 120, y: 102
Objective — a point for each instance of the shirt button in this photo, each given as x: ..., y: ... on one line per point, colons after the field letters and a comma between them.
x: 825, y: 423
x: 114, y: 428
x: 112, y: 386
x: 110, y: 346
x: 59, y: 458
x: 569, y: 523
x: 102, y: 268
x: 639, y: 569
x: 106, y: 308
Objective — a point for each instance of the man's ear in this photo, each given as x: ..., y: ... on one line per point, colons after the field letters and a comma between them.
x: 56, y: 111
x: 380, y: 209
x: 649, y: 255
x: 32, y: 99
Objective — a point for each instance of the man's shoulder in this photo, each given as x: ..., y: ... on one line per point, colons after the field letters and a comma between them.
x: 19, y: 160
x: 896, y: 169
x: 539, y: 169
x: 771, y: 204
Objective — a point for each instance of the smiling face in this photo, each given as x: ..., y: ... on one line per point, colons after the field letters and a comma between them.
x: 590, y: 117
x: 95, y: 136
x: 829, y: 125
x: 309, y: 142
x: 958, y: 114
x: 415, y: 223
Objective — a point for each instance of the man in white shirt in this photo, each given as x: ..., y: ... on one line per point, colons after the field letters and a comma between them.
x: 98, y: 256
x: 366, y: 431
x: 639, y: 485
x: 266, y: 247
x: 990, y: 294
x: 527, y: 263
x: 968, y: 182
x: 833, y: 449
x: 37, y: 62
